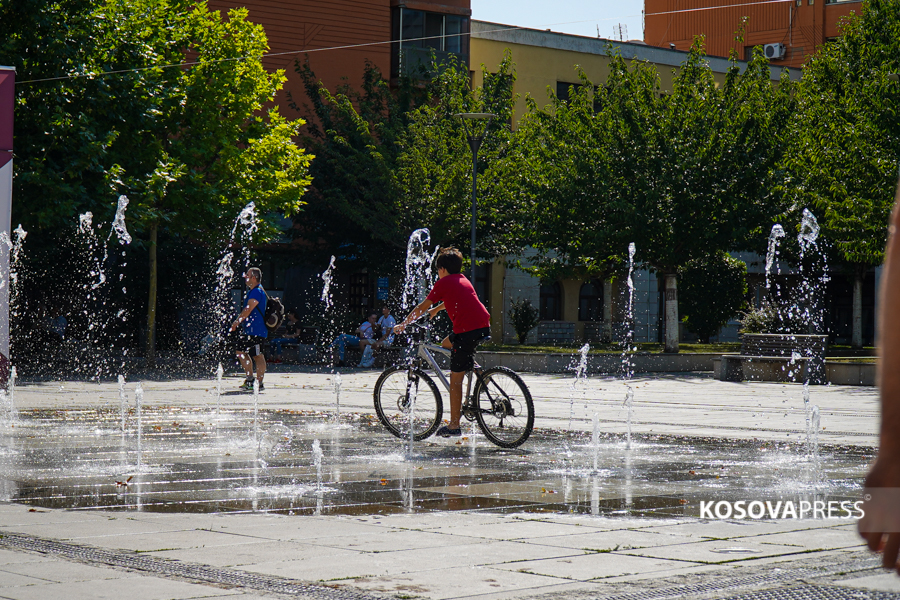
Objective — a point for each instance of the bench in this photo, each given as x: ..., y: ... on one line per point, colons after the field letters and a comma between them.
x: 775, y: 357
x: 741, y: 367
x: 304, y: 349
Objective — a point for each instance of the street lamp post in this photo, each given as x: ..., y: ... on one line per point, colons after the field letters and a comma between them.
x: 475, y: 143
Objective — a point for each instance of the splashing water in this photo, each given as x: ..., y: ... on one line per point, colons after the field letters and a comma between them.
x: 15, y: 249
x: 806, y: 410
x: 809, y: 231
x: 629, y: 404
x: 138, y: 402
x: 85, y: 223
x: 772, y: 253
x: 317, y: 461
x: 815, y: 426
x: 118, y: 225
x: 245, y: 225
x: 595, y: 442
x: 9, y: 397
x: 327, y: 277
x: 627, y: 363
x: 219, y: 373
x: 580, y: 380
x: 246, y: 219
x: 419, y: 278
x: 337, y: 399
x: 122, y: 401
x: 256, y: 413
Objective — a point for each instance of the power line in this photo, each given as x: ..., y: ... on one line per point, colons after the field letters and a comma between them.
x: 380, y: 43
x: 683, y: 10
x: 271, y: 54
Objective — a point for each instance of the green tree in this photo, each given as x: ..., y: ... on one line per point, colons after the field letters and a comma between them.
x: 705, y: 174
x: 434, y: 168
x: 680, y: 175
x: 845, y: 140
x: 713, y: 290
x: 392, y: 161
x: 559, y: 169
x: 190, y: 144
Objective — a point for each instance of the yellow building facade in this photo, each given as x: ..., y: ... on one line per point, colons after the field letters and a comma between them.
x: 547, y: 62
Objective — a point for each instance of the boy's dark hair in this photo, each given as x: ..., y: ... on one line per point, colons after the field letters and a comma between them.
x: 293, y: 311
x: 450, y: 259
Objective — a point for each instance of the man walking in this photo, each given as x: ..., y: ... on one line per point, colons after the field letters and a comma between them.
x: 252, y: 336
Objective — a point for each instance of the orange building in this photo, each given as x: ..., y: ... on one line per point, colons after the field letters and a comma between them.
x: 342, y: 35
x: 790, y: 30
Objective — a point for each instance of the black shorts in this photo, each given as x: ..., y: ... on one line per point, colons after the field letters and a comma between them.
x: 242, y: 343
x: 462, y: 357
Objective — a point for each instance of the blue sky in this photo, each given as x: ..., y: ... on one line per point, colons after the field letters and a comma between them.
x: 581, y: 17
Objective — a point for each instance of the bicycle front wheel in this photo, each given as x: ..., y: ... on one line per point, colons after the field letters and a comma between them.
x: 504, y: 409
x: 403, y: 396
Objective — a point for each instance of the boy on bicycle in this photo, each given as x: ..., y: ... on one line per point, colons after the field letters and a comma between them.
x: 471, y: 324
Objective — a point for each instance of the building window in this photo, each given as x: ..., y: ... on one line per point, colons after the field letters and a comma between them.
x: 360, y: 293
x: 563, y: 89
x: 590, y: 302
x: 419, y: 33
x: 551, y: 302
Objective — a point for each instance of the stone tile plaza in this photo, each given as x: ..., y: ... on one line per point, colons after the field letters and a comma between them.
x: 210, y: 513
x: 449, y: 300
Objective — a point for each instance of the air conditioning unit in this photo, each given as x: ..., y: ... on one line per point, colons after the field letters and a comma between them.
x: 774, y: 51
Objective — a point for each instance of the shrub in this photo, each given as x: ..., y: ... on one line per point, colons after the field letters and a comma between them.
x: 711, y: 291
x: 524, y: 317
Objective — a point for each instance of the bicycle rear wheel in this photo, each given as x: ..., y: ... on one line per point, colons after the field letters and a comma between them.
x: 504, y: 409
x: 397, y: 391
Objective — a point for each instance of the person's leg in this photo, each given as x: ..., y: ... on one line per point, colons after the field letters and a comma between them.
x: 245, y: 362
x: 260, y: 361
x: 276, y: 345
x: 456, y: 394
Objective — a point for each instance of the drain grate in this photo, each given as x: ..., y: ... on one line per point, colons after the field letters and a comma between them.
x: 756, y: 582
x: 184, y: 570
x: 817, y: 592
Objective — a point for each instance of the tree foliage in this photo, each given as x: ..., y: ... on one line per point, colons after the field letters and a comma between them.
x: 844, y: 146
x: 392, y: 161
x: 161, y: 100
x: 680, y: 175
x: 713, y: 290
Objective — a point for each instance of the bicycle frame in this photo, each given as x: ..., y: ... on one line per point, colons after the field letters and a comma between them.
x: 424, y: 352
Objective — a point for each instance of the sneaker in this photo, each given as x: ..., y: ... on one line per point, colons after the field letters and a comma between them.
x: 446, y: 432
x: 247, y: 385
x: 261, y: 386
x: 275, y: 361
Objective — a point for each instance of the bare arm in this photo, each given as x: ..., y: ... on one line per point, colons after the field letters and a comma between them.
x: 415, y: 314
x: 889, y: 341
x: 251, y: 306
x: 436, y: 309
x: 881, y: 524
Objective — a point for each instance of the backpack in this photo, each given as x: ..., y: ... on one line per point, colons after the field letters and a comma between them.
x: 274, y: 313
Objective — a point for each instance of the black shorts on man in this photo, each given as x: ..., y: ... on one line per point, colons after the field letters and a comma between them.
x: 248, y: 344
x: 462, y: 356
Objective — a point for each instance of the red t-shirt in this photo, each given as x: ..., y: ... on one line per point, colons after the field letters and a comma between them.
x: 465, y: 310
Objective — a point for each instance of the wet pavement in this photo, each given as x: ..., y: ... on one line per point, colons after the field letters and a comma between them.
x: 212, y: 485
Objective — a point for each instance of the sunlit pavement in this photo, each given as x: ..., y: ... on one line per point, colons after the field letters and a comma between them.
x: 213, y: 513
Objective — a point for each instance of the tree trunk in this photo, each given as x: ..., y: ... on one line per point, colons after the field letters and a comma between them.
x: 671, y: 280
x: 856, y: 337
x: 150, y: 350
x: 607, y: 311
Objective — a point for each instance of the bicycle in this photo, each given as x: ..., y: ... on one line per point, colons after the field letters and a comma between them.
x: 500, y: 402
